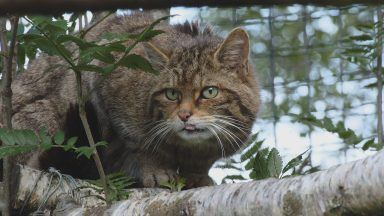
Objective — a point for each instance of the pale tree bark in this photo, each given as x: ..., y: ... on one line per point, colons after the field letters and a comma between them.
x: 355, y: 188
x: 60, y: 6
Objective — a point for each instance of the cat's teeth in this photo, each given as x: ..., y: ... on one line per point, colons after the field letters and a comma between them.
x: 190, y: 127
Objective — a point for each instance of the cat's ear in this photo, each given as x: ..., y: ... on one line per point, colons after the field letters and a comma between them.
x: 234, y: 50
x: 156, y: 56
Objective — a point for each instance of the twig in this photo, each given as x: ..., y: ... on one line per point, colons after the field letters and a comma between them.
x: 82, y: 112
x: 84, y: 120
x: 84, y: 32
x: 7, y: 111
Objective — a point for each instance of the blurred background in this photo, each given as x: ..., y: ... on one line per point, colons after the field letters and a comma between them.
x: 308, y: 60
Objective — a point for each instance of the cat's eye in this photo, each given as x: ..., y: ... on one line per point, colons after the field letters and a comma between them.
x: 210, y: 92
x: 172, y: 94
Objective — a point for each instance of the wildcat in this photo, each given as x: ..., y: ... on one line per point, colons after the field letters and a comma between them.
x: 199, y: 108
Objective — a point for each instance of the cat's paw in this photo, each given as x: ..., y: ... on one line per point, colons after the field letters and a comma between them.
x: 157, y: 177
x: 196, y: 180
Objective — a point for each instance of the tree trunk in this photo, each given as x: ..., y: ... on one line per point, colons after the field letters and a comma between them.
x: 355, y: 188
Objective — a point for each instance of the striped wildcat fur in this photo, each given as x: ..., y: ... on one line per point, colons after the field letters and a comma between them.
x: 199, y: 108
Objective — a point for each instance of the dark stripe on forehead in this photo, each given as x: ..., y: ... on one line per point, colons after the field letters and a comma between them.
x: 190, y: 65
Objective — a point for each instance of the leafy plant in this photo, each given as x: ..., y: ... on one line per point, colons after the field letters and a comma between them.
x: 50, y: 35
x: 17, y: 142
x: 174, y: 185
x: 346, y: 134
x: 265, y: 163
x: 118, y: 185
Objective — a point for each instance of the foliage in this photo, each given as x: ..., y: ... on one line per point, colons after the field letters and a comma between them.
x: 118, y: 185
x: 50, y: 35
x: 347, y: 135
x: 310, y: 60
x: 17, y: 142
x: 266, y: 163
x: 174, y: 185
x: 360, y: 49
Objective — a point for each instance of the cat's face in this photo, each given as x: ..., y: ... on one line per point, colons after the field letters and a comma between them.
x: 206, y: 92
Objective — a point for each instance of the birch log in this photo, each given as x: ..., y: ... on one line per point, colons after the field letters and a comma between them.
x: 355, y: 188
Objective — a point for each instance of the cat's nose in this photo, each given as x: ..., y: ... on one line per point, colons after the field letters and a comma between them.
x: 184, y: 115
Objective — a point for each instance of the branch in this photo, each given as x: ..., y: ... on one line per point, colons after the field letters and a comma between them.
x: 6, y: 109
x: 60, y: 6
x: 349, y: 189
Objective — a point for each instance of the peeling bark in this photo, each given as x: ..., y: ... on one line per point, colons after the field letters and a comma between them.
x: 355, y: 188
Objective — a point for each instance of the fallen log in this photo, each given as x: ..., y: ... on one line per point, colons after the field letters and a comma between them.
x: 355, y: 188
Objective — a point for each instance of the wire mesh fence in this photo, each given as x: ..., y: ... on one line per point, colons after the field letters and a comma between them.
x: 298, y: 52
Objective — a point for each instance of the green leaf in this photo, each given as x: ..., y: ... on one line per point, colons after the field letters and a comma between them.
x: 6, y: 137
x: 148, y: 35
x: 73, y: 21
x: 135, y: 62
x: 328, y: 125
x: 261, y: 153
x: 21, y: 55
x: 59, y: 137
x: 109, y: 69
x: 70, y: 143
x: 101, y: 143
x: 117, y: 47
x: 174, y: 185
x: 368, y: 144
x: 46, y: 46
x: 294, y: 162
x: 49, y: 26
x: 85, y: 150
x: 251, y: 151
x: 104, y: 56
x: 275, y: 163
x: 102, y: 53
x: 20, y: 29
x: 363, y: 37
x: 30, y: 37
x: 19, y: 137
x: 117, y: 36
x: 46, y: 146
x: 78, y: 41
x: 46, y: 140
x: 92, y: 68
x: 13, y: 150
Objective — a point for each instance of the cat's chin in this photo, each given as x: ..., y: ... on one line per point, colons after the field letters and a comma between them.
x: 196, y: 136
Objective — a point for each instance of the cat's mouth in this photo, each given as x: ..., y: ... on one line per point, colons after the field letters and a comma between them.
x: 192, y: 132
x: 191, y: 128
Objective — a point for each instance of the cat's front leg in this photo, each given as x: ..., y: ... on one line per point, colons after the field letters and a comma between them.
x: 148, y: 170
x: 194, y: 180
x: 155, y: 176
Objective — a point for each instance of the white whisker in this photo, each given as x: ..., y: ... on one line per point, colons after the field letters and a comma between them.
x: 233, y: 136
x: 212, y: 130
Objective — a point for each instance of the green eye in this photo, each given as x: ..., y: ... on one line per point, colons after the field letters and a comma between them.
x: 172, y: 94
x: 210, y: 92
